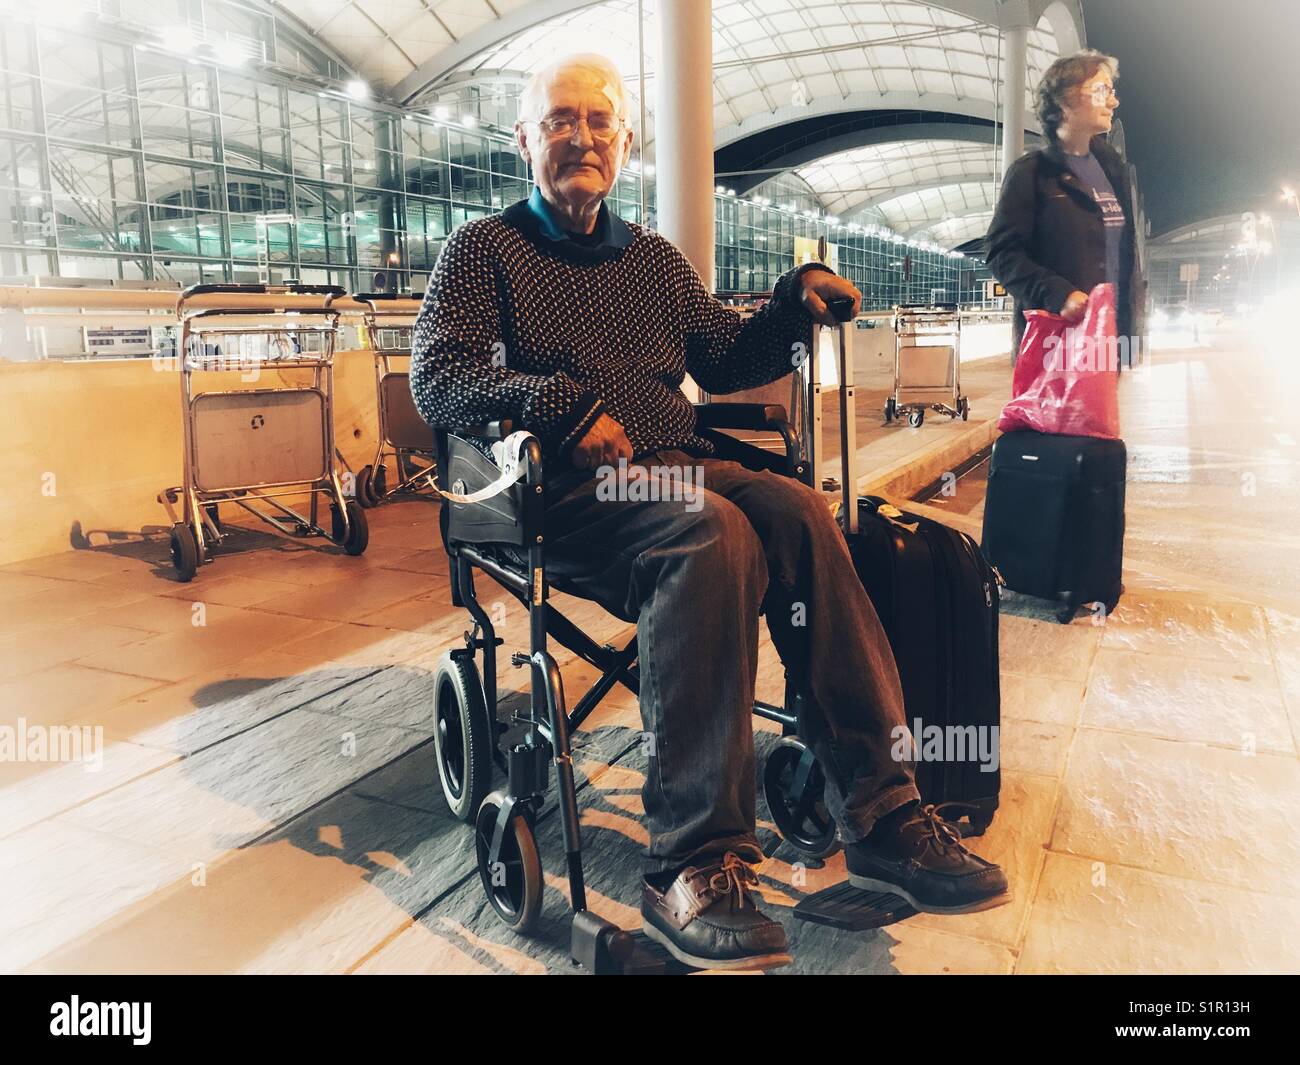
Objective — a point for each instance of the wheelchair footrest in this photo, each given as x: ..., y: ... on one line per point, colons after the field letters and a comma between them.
x: 650, y: 959
x: 604, y: 949
x: 844, y: 906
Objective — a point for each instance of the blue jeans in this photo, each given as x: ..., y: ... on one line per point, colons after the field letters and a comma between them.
x: 694, y: 568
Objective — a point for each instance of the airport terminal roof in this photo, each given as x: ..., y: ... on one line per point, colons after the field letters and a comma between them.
x: 776, y: 62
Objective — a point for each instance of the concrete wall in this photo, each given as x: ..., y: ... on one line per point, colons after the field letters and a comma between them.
x: 91, y: 444
x: 88, y: 445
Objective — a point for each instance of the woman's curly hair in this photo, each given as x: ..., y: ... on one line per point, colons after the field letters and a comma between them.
x: 1063, y: 75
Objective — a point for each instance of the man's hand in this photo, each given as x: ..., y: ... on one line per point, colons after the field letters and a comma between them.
x: 1075, y: 306
x: 603, y: 445
x: 820, y: 286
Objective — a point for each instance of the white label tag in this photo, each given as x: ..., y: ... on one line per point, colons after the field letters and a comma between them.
x: 507, y: 454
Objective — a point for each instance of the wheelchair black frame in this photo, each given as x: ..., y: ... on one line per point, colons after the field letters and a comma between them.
x: 525, y: 764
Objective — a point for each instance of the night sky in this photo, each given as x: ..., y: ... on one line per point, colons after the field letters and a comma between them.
x: 1210, y: 101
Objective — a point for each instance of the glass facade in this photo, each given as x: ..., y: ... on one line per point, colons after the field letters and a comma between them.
x: 756, y: 245
x: 121, y: 161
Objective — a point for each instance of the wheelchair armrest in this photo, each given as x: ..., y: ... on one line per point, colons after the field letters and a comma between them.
x: 710, y: 417
x: 511, y: 517
x: 497, y: 430
x: 740, y: 415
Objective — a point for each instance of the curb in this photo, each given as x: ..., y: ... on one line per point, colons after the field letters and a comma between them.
x: 904, y: 477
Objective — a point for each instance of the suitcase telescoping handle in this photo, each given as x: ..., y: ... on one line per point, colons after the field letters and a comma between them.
x: 842, y: 309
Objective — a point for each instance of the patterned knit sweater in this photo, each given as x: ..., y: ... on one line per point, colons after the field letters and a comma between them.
x: 552, y: 333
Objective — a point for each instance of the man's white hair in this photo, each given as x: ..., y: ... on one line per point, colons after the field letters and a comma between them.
x: 532, y: 101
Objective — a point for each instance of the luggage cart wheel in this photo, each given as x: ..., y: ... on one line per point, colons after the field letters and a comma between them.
x: 185, y: 552
x: 379, y: 484
x: 916, y: 418
x: 513, y: 884
x: 214, y: 512
x: 963, y: 408
x: 462, y: 739
x: 365, y: 487
x: 794, y: 788
x: 358, y: 534
x: 891, y: 410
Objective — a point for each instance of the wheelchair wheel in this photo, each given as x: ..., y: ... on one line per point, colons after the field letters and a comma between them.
x: 462, y: 736
x: 802, y: 819
x: 514, y: 886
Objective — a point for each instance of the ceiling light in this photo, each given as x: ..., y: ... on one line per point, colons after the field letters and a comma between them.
x: 357, y: 89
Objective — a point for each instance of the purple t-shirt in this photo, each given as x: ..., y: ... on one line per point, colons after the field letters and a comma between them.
x: 1093, y: 179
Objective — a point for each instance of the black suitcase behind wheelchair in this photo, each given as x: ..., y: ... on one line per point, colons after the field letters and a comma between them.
x: 504, y: 536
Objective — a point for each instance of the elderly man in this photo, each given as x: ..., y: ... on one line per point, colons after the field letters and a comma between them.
x: 580, y: 327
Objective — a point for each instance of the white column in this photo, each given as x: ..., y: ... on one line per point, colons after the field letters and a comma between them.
x: 1015, y: 63
x: 684, y: 130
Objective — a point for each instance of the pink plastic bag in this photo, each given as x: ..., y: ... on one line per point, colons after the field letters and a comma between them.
x: 1067, y: 377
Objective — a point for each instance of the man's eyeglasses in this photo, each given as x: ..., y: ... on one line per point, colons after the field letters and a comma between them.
x: 603, y: 127
x: 1101, y: 93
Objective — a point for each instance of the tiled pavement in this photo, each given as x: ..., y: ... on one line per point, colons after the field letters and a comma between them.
x: 267, y: 799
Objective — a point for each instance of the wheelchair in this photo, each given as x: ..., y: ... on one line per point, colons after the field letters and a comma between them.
x: 504, y: 537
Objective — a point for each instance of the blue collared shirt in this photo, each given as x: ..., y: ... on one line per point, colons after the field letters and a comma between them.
x: 614, y: 233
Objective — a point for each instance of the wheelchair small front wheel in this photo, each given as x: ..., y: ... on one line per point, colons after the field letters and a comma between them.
x: 513, y: 884
x: 799, y: 809
x: 462, y: 738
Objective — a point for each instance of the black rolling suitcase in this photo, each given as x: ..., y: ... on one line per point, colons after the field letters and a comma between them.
x: 937, y: 599
x: 1054, y: 517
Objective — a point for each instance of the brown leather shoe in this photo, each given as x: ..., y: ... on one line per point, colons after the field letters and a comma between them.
x: 926, y: 863
x: 708, y: 918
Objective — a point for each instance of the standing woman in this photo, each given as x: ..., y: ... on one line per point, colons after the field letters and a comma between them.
x: 1065, y: 219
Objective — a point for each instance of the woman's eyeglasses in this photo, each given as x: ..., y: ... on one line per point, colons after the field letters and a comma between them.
x: 603, y: 127
x: 1101, y: 93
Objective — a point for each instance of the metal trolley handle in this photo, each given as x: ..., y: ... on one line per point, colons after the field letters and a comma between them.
x: 842, y: 309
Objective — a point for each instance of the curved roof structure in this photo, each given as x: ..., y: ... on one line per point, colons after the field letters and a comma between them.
x: 875, y: 175
x: 957, y: 230
x: 1214, y: 232
x: 775, y: 62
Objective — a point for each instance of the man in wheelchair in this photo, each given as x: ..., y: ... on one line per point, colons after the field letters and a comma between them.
x: 579, y: 327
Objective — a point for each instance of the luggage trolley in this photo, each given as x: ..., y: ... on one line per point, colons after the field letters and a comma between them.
x: 927, y: 363
x: 403, y: 434
x: 257, y: 445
